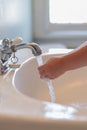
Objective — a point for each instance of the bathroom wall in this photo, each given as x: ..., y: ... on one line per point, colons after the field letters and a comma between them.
x: 16, y: 19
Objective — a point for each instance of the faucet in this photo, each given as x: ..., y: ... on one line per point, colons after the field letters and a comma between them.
x: 9, y: 47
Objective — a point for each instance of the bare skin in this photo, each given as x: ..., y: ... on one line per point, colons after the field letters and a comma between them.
x: 57, y: 66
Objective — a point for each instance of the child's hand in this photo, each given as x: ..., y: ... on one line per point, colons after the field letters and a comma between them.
x: 56, y: 66
x: 52, y: 68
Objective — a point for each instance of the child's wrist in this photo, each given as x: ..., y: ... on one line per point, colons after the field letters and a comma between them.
x: 65, y: 63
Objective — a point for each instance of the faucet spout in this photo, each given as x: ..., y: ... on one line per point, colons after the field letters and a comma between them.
x: 36, y: 50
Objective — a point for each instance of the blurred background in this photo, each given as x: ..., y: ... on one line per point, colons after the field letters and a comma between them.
x: 50, y: 23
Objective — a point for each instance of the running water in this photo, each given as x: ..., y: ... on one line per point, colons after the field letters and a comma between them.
x: 48, y: 81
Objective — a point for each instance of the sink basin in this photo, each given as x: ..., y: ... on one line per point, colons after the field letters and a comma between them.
x: 26, y: 104
x: 69, y: 89
x: 70, y: 108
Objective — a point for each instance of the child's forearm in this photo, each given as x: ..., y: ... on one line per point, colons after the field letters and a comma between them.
x: 76, y: 58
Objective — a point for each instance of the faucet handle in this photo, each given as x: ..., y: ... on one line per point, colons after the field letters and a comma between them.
x: 6, y: 43
x: 16, y: 40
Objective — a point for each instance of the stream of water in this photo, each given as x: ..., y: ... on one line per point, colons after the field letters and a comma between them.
x: 48, y: 81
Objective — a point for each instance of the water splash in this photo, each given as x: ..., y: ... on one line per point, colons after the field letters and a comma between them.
x: 48, y: 81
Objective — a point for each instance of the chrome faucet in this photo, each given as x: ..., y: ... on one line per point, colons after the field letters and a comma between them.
x: 9, y: 47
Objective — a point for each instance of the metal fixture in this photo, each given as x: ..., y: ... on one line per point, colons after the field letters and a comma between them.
x: 9, y: 47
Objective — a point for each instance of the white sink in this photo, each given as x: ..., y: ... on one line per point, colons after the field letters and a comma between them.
x: 70, y: 108
x: 70, y: 88
x: 27, y: 106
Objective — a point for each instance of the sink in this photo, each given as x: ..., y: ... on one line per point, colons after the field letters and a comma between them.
x: 25, y: 101
x: 70, y: 108
x: 69, y: 89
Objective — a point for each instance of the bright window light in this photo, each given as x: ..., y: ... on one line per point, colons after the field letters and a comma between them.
x: 68, y: 11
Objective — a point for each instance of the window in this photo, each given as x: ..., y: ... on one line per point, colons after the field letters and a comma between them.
x: 63, y: 21
x: 62, y: 13
x: 15, y: 19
